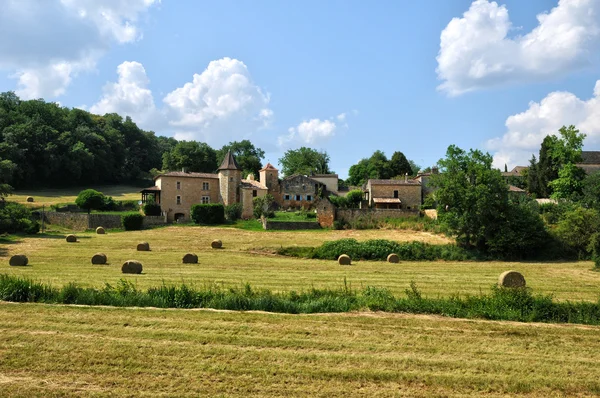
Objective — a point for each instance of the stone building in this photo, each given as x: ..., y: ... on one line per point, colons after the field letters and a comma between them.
x: 300, y: 191
x: 590, y: 161
x: 393, y: 194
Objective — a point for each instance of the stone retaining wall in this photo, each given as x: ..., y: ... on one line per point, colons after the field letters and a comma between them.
x: 290, y: 225
x: 74, y: 221
x: 81, y: 222
x: 152, y: 221
x: 349, y: 215
x: 106, y: 221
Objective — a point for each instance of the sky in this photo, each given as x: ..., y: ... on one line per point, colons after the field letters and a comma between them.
x: 345, y: 76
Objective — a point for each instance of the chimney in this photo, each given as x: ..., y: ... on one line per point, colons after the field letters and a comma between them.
x: 406, y: 177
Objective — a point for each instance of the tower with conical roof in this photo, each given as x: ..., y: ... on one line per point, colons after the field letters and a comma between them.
x: 269, y: 176
x: 230, y: 177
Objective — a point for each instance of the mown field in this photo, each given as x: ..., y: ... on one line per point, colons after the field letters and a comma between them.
x: 50, y: 350
x: 247, y: 258
x: 49, y: 197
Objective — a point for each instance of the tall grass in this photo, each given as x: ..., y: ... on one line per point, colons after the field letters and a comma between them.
x: 499, y: 304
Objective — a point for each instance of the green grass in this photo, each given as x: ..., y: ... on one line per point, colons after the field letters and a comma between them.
x: 49, y: 350
x: 250, y: 257
x: 292, y: 216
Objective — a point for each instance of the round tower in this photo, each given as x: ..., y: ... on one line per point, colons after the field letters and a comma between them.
x: 230, y: 178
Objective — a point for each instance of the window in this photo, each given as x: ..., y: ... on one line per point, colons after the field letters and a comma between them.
x: 396, y: 194
x: 254, y: 193
x: 178, y: 199
x: 205, y: 186
x: 308, y: 198
x: 286, y: 197
x: 205, y: 199
x: 231, y: 179
x: 298, y: 197
x: 178, y: 185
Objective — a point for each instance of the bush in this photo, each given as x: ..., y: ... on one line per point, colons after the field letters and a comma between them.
x: 208, y: 213
x: 339, y: 201
x: 90, y: 199
x: 132, y: 221
x: 15, y: 217
x: 339, y: 224
x: 354, y: 198
x: 122, y: 205
x: 264, y: 206
x: 233, y: 212
x: 152, y: 209
x: 577, y: 228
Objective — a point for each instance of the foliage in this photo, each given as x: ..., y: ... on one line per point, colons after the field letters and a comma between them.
x: 90, y: 199
x: 233, y: 211
x: 341, y: 202
x: 192, y: 156
x: 400, y: 166
x: 132, y: 221
x: 208, y: 213
x: 590, y: 192
x: 152, y: 208
x: 304, y: 161
x: 577, y: 228
x: 354, y: 198
x: 15, y: 217
x: 500, y: 304
x: 569, y: 184
x: 119, y: 205
x: 264, y: 206
x: 379, y: 167
x: 7, y: 169
x: 246, y: 154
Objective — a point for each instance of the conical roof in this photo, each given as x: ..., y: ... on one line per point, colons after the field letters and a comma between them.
x: 229, y: 163
x: 269, y: 166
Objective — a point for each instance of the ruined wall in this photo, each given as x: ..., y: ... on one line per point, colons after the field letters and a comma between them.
x: 325, y: 213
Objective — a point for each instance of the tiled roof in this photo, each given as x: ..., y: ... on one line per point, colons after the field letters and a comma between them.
x: 393, y: 182
x: 185, y: 174
x: 517, y: 171
x: 590, y: 157
x: 252, y: 184
x: 324, y: 175
x: 229, y: 163
x: 512, y: 188
x: 386, y: 200
x: 269, y: 166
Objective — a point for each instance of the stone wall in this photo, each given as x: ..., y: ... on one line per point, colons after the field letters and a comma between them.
x: 151, y: 221
x: 349, y: 215
x: 106, y: 221
x: 290, y: 225
x: 325, y: 213
x: 74, y: 221
x: 409, y: 194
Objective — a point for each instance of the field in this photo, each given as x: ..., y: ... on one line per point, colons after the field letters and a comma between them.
x: 49, y: 197
x: 85, y: 351
x: 61, y: 350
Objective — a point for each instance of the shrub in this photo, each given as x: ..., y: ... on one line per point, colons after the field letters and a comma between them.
x: 208, y: 213
x: 233, y: 212
x: 90, y: 199
x: 576, y: 229
x: 354, y: 197
x: 264, y: 206
x: 132, y: 221
x: 15, y: 217
x: 339, y: 201
x: 152, y: 209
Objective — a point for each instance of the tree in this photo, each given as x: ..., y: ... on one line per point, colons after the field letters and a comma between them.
x: 90, y: 199
x: 591, y: 191
x: 304, y: 161
x: 354, y: 198
x: 569, y: 184
x: 246, y: 154
x: 191, y: 155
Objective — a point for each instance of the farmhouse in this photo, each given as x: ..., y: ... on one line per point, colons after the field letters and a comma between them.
x: 177, y: 191
x: 393, y: 194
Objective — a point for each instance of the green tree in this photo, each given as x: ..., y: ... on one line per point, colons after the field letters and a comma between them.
x: 354, y: 198
x: 591, y: 191
x: 304, y: 161
x: 90, y: 199
x: 569, y: 184
x: 399, y: 165
x: 191, y: 155
x: 248, y: 157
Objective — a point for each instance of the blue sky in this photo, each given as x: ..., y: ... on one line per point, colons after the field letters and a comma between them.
x: 348, y: 77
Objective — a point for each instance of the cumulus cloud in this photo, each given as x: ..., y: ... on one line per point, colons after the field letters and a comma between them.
x: 526, y: 130
x: 476, y: 50
x: 309, y: 132
x: 219, y: 105
x: 44, y: 44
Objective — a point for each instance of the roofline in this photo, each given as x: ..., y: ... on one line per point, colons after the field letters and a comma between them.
x: 216, y: 176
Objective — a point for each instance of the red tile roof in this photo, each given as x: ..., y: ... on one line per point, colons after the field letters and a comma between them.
x: 269, y: 166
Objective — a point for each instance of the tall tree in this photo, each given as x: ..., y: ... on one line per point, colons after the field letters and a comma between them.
x: 246, y: 154
x: 400, y: 166
x: 192, y: 156
x: 304, y: 161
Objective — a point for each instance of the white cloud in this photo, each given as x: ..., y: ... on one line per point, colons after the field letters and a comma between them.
x: 309, y: 132
x: 341, y: 117
x: 220, y: 103
x: 476, y: 50
x: 44, y: 44
x: 130, y: 96
x: 526, y: 130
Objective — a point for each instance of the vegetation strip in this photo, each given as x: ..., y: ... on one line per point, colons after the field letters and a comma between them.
x: 500, y: 304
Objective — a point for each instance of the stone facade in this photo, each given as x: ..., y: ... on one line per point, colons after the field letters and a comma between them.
x: 179, y: 191
x: 74, y: 221
x: 349, y: 215
x: 400, y: 194
x: 300, y: 191
x: 326, y: 213
x: 82, y: 221
x: 250, y: 189
x: 329, y: 180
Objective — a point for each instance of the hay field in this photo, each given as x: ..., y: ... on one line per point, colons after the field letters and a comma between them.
x: 50, y: 350
x: 49, y: 197
x: 247, y: 258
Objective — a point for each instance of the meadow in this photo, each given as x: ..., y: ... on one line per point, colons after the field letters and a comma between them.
x: 47, y: 197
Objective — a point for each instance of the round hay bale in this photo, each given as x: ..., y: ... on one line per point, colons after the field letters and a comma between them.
x: 100, y: 231
x: 71, y: 238
x: 511, y: 279
x: 190, y: 258
x: 344, y: 259
x: 20, y: 260
x: 143, y: 247
x: 131, y: 267
x: 99, y: 258
x: 216, y: 244
x: 393, y: 258
x: 29, y: 199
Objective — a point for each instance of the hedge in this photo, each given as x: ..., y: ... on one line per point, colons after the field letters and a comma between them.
x: 209, y: 213
x: 132, y: 221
